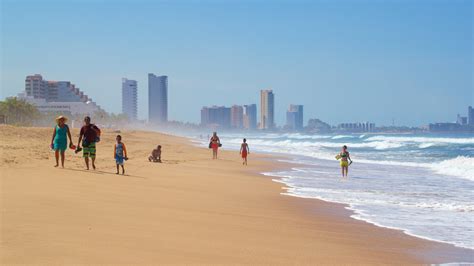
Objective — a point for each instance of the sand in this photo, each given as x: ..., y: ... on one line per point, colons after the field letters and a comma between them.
x: 187, y: 210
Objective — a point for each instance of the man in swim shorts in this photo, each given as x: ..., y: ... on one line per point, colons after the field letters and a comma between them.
x: 89, y: 135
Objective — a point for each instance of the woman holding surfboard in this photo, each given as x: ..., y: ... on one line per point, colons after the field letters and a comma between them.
x: 345, y: 160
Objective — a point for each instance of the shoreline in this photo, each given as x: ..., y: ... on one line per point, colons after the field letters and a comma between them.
x: 188, y: 210
x: 462, y: 253
x: 353, y: 211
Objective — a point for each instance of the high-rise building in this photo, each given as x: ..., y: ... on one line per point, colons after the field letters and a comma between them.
x: 237, y: 116
x: 216, y: 116
x: 250, y: 116
x: 462, y: 120
x: 129, y: 98
x: 157, y: 98
x: 35, y: 86
x: 267, y: 109
x: 294, y: 117
x: 470, y: 116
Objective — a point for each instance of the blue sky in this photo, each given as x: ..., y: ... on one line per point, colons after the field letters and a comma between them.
x: 345, y: 61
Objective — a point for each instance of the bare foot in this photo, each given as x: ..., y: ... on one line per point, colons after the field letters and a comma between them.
x: 56, y: 165
x: 93, y: 166
x: 117, y: 173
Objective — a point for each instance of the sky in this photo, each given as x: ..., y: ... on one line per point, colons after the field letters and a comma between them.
x: 407, y: 61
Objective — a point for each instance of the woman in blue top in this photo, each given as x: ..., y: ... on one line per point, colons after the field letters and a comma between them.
x: 59, y: 141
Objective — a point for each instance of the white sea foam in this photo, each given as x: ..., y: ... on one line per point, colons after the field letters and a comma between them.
x: 412, y: 139
x: 343, y: 137
x: 460, y: 166
x: 419, y: 184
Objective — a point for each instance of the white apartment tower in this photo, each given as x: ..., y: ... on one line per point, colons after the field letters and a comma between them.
x: 129, y: 98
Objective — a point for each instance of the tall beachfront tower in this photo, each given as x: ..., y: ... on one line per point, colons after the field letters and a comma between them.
x: 157, y: 98
x: 294, y: 117
x: 250, y: 116
x: 129, y: 98
x: 267, y: 109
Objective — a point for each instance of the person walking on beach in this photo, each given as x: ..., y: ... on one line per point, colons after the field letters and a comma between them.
x: 89, y: 135
x: 244, y: 151
x: 345, y: 161
x: 214, y: 144
x: 59, y: 140
x: 120, y: 153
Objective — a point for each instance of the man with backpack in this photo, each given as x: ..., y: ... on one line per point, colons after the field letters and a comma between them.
x: 90, y: 135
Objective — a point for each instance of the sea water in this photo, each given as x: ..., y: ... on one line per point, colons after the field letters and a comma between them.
x: 421, y: 184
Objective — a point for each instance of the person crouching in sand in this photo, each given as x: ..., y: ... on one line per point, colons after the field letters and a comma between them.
x: 120, y: 153
x: 59, y: 140
x: 155, y: 155
x: 244, y: 151
x: 345, y: 159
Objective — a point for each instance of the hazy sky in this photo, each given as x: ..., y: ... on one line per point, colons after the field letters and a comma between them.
x: 343, y: 60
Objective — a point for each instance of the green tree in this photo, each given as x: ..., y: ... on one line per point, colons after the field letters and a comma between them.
x: 18, y: 112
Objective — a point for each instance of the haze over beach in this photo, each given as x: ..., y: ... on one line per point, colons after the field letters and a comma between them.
x: 236, y: 132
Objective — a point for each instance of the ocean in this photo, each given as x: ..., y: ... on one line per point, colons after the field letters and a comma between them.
x: 422, y: 184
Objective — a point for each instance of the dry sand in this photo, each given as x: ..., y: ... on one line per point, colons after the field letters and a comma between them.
x: 187, y: 210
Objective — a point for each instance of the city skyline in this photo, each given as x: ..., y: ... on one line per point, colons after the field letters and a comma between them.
x: 342, y: 60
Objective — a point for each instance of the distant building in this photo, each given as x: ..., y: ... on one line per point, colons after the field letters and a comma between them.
x: 357, y: 127
x: 250, y: 116
x: 70, y: 108
x: 444, y: 127
x: 294, y: 117
x: 470, y: 116
x: 63, y: 91
x: 57, y: 96
x: 267, y: 109
x: 35, y: 86
x: 157, y: 98
x: 461, y: 120
x: 216, y: 116
x: 237, y: 117
x: 129, y: 98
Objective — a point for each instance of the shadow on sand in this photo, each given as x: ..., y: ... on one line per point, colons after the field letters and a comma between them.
x: 98, y: 172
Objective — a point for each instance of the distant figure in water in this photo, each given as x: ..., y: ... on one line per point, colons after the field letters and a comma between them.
x: 155, y: 155
x: 214, y: 144
x: 120, y: 153
x: 345, y: 161
x: 244, y: 151
x: 59, y: 140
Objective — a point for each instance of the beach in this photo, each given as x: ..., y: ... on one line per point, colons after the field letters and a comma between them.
x: 187, y: 210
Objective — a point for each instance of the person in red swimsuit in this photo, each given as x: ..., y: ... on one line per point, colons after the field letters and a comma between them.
x: 244, y: 151
x: 214, y: 144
